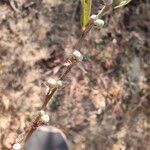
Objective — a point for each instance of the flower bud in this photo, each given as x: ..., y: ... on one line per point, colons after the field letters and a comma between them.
x: 16, y: 146
x: 99, y: 23
x: 45, y: 118
x: 94, y: 17
x: 59, y: 83
x: 52, y: 81
x: 108, y: 2
x: 55, y: 82
x: 78, y: 55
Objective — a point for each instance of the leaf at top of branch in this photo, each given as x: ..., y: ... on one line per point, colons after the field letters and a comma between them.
x: 86, y: 11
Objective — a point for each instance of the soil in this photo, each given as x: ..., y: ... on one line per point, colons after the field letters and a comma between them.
x: 105, y: 101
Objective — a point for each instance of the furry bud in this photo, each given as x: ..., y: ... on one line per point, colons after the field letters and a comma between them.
x: 59, y: 83
x: 45, y: 118
x: 99, y: 23
x: 78, y: 55
x: 52, y: 81
x: 94, y: 17
x: 55, y: 82
x: 16, y: 146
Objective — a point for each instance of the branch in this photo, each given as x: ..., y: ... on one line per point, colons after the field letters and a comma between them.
x: 69, y: 63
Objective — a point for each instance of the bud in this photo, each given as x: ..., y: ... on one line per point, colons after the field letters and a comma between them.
x: 78, y: 55
x: 52, y: 81
x: 55, y: 82
x: 16, y: 146
x: 45, y: 118
x: 59, y: 83
x: 94, y: 17
x: 99, y: 23
x: 108, y: 2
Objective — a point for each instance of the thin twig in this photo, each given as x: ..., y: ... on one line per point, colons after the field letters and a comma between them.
x: 83, y: 35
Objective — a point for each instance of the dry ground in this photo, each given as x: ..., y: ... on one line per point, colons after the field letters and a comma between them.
x: 105, y: 103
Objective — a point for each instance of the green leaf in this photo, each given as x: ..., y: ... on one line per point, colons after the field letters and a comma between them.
x: 120, y: 3
x: 86, y: 11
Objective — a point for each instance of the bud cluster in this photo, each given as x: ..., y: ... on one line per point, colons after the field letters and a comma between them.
x: 44, y: 116
x: 99, y: 23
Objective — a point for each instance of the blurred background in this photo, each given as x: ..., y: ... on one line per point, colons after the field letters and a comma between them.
x: 105, y: 101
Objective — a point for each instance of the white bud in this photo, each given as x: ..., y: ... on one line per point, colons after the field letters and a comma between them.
x: 108, y: 2
x: 16, y: 146
x: 52, y: 81
x: 59, y: 83
x: 55, y: 82
x: 45, y: 118
x: 99, y: 23
x: 78, y: 55
x: 94, y: 17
